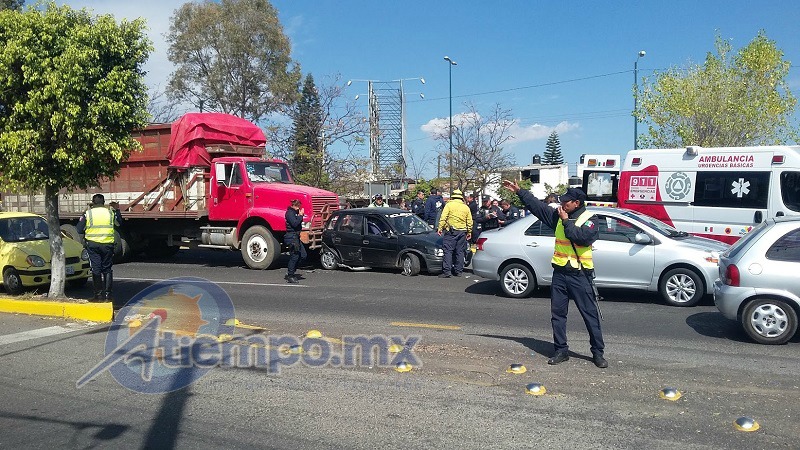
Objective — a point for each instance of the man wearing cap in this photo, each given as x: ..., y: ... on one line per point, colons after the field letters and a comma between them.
x: 456, y: 227
x: 377, y: 202
x: 418, y: 205
x: 489, y: 216
x: 575, y: 231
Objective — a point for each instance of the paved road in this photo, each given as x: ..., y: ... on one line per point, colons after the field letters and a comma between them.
x: 460, y: 397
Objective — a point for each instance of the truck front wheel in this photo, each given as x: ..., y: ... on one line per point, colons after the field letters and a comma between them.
x: 260, y: 249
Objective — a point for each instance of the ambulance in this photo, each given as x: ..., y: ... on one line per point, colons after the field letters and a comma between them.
x: 719, y: 193
x: 599, y: 178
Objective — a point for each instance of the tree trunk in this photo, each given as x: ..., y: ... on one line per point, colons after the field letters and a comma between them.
x: 57, y: 260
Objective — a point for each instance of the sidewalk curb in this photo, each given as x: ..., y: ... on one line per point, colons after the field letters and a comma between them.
x: 94, y: 312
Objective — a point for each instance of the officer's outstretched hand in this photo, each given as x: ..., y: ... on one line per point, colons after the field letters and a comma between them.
x: 511, y: 186
x: 439, y: 232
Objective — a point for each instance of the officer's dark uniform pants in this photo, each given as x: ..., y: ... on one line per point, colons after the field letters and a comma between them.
x: 297, y: 252
x: 454, y: 242
x: 101, y: 257
x: 575, y: 285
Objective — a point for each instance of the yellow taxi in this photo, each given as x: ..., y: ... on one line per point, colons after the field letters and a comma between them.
x: 25, y: 253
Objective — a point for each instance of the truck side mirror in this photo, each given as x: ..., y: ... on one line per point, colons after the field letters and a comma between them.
x: 219, y: 173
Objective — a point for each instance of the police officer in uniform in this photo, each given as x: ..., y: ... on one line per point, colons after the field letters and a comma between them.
x: 418, y: 205
x: 97, y: 227
x: 575, y: 229
x: 510, y: 211
x: 297, y: 251
x: 455, y: 225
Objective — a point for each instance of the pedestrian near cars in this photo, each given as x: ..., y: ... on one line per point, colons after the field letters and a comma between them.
x: 418, y: 205
x: 297, y: 251
x: 510, y: 212
x: 433, y: 205
x: 573, y: 269
x: 97, y: 227
x: 455, y: 225
x: 552, y: 200
x: 489, y: 216
x: 377, y: 202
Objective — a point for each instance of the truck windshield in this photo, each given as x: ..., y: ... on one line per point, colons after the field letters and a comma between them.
x: 20, y: 229
x: 267, y: 172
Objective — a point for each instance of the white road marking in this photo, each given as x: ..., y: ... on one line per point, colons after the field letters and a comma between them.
x: 35, y: 334
x: 219, y: 282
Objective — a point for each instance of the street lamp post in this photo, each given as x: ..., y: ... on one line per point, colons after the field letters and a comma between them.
x: 450, y: 129
x: 636, y: 100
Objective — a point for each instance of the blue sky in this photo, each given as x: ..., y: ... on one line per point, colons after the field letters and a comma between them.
x: 564, y: 66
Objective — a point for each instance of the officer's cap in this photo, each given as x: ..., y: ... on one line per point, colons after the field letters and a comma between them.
x: 572, y: 194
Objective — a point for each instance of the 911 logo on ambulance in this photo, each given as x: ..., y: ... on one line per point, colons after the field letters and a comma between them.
x: 643, y: 188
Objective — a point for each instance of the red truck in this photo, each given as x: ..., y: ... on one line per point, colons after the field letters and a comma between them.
x: 201, y: 181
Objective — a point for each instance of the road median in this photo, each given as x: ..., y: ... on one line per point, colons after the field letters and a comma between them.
x: 95, y: 312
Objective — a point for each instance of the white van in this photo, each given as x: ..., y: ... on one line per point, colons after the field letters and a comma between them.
x: 718, y: 193
x: 599, y: 176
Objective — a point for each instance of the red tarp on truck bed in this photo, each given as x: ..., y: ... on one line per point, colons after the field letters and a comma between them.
x: 192, y: 132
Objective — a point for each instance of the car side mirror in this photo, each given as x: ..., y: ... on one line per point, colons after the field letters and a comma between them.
x: 643, y: 239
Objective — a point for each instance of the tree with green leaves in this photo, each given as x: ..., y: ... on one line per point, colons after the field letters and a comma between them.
x: 71, y: 90
x: 737, y: 99
x: 11, y: 4
x: 307, y: 130
x: 552, y: 153
x: 233, y: 57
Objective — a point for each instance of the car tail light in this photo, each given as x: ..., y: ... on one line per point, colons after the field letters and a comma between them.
x: 731, y: 275
x: 479, y: 244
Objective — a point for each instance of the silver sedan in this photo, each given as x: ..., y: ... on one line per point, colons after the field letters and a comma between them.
x: 633, y: 251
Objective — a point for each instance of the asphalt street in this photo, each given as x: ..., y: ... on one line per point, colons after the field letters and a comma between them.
x: 460, y: 396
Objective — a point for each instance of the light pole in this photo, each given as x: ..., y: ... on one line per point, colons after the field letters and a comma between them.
x: 636, y: 100
x: 450, y: 129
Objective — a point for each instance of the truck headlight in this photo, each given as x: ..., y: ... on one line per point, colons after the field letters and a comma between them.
x: 35, y: 261
x: 85, y: 255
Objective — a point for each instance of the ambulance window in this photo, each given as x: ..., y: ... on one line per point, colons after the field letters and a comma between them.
x: 790, y: 190
x: 732, y: 189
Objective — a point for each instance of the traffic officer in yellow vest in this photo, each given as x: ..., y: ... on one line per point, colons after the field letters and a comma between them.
x: 455, y: 224
x: 97, y: 227
x: 575, y: 230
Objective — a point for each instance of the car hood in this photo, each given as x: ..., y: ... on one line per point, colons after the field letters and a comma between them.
x: 42, y: 248
x: 701, y: 243
x: 428, y: 238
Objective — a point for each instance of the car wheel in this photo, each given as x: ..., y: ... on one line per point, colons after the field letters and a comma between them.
x: 12, y: 281
x: 260, y: 249
x: 410, y: 264
x: 681, y: 287
x: 769, y: 321
x: 517, y: 281
x: 328, y: 259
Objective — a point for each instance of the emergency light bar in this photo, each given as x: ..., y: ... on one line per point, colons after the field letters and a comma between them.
x: 777, y: 159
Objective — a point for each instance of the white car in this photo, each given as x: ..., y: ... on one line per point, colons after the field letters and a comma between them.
x: 633, y: 251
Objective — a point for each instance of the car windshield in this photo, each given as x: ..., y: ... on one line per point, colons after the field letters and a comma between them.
x: 408, y: 223
x: 656, y: 224
x: 267, y: 172
x: 18, y: 229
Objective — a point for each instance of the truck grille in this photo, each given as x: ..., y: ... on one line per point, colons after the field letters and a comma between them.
x: 323, y: 206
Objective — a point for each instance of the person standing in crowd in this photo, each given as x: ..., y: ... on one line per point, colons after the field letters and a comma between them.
x: 510, y: 212
x: 489, y: 216
x: 433, y: 205
x: 97, y: 227
x: 473, y: 205
x: 402, y: 204
x: 456, y: 227
x: 573, y: 268
x: 297, y: 251
x: 377, y: 202
x: 418, y: 205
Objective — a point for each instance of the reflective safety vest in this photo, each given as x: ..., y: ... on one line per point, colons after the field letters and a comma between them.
x: 100, y: 225
x: 564, y: 253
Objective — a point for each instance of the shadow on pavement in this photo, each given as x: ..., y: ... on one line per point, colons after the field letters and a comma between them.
x: 539, y: 346
x: 102, y: 432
